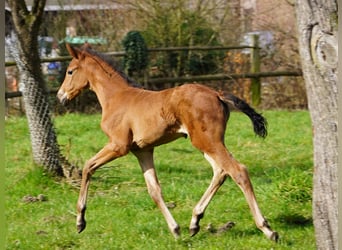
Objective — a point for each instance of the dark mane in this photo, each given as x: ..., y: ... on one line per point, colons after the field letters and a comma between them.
x: 114, y: 65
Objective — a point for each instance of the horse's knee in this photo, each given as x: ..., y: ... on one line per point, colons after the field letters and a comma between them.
x: 87, y: 170
x: 240, y: 175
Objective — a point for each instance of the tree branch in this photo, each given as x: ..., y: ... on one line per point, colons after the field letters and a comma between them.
x: 19, y: 12
x: 38, y: 8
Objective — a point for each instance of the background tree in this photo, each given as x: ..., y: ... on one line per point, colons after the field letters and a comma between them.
x: 25, y: 52
x: 136, y: 57
x: 317, y: 31
x: 179, y: 23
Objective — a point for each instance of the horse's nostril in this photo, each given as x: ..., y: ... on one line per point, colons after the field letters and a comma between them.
x: 60, y: 93
x: 62, y: 96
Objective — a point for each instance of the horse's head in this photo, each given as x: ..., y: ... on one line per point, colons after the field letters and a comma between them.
x: 75, y: 77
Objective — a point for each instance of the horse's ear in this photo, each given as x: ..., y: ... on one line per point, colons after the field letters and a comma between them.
x: 85, y: 46
x: 74, y: 52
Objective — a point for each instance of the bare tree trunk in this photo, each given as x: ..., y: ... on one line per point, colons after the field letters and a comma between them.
x: 24, y: 49
x: 317, y: 31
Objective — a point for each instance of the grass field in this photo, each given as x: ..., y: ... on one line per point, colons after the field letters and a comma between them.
x: 120, y: 213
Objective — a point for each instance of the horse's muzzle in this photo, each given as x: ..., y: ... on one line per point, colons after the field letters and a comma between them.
x: 62, y: 96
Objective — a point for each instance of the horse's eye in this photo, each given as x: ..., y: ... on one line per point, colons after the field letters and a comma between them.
x: 69, y: 72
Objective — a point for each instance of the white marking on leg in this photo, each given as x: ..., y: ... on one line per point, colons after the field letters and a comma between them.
x: 183, y: 130
x: 216, y: 182
x: 211, y: 161
x: 146, y: 162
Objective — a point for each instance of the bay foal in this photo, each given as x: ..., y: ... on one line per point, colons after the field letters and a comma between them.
x: 138, y: 120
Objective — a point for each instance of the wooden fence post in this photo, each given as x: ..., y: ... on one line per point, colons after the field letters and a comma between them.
x: 255, y: 68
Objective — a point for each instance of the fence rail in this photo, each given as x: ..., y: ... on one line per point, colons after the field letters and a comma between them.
x: 223, y: 77
x: 254, y: 73
x: 123, y: 53
x: 194, y: 79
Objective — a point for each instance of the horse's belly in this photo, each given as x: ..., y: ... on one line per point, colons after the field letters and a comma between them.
x: 153, y: 138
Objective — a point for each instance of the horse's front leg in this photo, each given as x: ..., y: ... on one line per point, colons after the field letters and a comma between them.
x: 146, y: 162
x: 108, y: 153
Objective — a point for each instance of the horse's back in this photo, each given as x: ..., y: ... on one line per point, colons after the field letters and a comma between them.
x: 157, y: 117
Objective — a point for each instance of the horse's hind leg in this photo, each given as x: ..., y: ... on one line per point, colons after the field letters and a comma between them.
x: 219, y: 176
x: 146, y: 162
x: 239, y: 174
x: 223, y: 165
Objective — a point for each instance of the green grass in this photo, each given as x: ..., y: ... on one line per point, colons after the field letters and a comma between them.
x: 120, y: 213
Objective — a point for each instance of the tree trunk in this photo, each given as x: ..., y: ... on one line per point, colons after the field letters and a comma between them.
x: 43, y: 139
x: 24, y: 49
x: 317, y: 33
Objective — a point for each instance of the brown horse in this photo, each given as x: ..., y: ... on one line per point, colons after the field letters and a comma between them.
x: 137, y: 120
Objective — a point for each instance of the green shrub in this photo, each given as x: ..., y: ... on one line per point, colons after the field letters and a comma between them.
x: 136, y: 57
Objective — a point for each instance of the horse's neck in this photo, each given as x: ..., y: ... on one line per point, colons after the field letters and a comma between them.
x: 106, y: 85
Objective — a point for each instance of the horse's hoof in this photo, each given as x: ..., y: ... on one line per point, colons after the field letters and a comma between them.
x: 81, y: 226
x: 176, y: 232
x: 194, y: 230
x: 274, y: 236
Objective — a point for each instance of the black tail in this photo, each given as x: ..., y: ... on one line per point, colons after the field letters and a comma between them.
x: 259, y: 122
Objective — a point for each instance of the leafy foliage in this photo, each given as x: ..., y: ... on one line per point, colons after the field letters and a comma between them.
x: 236, y: 62
x: 181, y: 28
x: 136, y: 57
